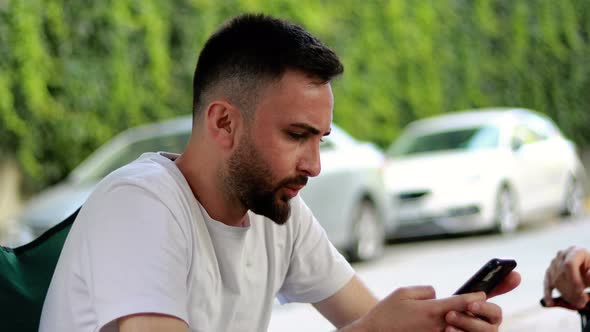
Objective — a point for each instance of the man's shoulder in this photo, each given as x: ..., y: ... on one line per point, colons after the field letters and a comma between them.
x: 149, y: 170
x: 151, y: 174
x: 143, y: 187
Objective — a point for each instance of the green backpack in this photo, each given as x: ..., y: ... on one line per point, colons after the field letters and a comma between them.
x: 25, y: 274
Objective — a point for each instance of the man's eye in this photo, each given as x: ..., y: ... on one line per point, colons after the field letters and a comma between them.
x: 297, y: 136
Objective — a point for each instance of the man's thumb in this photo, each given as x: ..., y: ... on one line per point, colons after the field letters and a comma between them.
x: 419, y: 293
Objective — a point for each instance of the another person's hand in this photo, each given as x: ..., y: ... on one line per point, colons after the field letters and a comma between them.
x: 417, y: 309
x: 569, y: 273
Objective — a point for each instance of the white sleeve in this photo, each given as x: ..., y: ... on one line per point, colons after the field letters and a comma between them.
x: 317, y: 270
x: 134, y: 257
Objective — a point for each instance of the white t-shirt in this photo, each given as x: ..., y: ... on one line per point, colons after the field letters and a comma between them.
x: 142, y: 243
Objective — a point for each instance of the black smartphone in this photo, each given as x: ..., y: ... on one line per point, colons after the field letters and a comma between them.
x: 489, y: 276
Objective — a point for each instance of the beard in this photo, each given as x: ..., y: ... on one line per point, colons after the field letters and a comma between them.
x: 249, y: 178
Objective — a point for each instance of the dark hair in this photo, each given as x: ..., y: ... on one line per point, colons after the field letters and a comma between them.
x: 252, y: 50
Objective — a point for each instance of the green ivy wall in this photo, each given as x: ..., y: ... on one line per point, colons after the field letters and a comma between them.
x: 73, y: 73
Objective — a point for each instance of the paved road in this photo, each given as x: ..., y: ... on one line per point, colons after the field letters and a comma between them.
x: 446, y: 263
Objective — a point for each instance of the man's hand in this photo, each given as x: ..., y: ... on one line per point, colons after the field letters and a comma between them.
x: 416, y: 309
x: 569, y: 273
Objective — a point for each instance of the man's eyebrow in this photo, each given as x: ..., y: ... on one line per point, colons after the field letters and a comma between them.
x: 310, y: 129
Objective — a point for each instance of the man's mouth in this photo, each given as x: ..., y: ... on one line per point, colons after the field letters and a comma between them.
x: 292, y: 190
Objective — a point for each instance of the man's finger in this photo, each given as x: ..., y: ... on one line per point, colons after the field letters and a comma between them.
x: 453, y: 329
x: 548, y: 288
x: 548, y: 296
x: 511, y: 281
x: 572, y: 275
x: 487, y: 311
x: 460, y: 302
x: 417, y: 293
x: 466, y: 322
x: 587, y: 278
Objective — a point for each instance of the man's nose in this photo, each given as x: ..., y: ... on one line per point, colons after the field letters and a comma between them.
x: 310, y: 162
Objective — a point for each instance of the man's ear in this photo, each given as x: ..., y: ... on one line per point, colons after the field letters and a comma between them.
x: 221, y: 120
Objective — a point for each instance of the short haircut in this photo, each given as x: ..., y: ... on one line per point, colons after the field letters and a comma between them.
x: 252, y: 50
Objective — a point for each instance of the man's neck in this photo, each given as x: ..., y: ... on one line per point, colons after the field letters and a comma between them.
x: 203, y: 183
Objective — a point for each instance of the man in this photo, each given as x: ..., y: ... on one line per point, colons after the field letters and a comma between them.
x: 569, y: 273
x: 207, y: 240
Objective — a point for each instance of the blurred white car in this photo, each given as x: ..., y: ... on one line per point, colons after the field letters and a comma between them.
x: 348, y: 198
x: 486, y: 169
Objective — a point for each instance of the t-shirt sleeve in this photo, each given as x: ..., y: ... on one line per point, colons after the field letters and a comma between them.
x: 317, y: 270
x: 134, y: 256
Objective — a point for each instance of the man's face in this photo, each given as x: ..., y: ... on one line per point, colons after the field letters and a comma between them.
x: 279, y: 149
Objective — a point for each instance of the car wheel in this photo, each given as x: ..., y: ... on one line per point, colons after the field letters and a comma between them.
x: 573, y: 200
x: 506, y: 214
x: 368, y: 233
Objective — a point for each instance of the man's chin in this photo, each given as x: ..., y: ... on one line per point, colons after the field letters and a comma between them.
x: 280, y: 213
x: 277, y: 209
x: 285, y: 199
x: 281, y: 221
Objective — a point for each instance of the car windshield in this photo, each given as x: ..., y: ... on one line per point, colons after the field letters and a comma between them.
x: 122, y: 153
x: 474, y: 138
